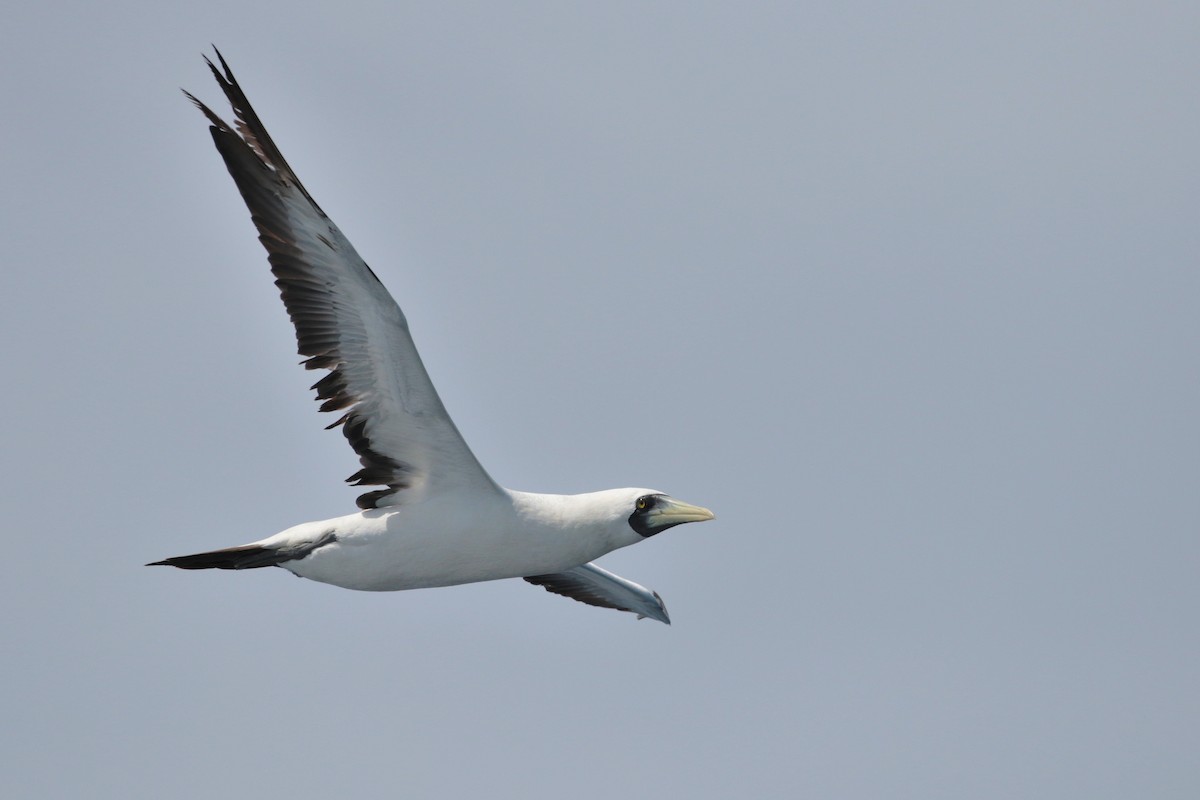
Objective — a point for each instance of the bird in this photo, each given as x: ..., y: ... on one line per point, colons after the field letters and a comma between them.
x: 437, y: 518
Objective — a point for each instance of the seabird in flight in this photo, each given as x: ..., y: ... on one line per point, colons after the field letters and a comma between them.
x: 439, y: 519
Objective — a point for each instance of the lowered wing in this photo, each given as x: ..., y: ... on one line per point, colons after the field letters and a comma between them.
x: 597, y: 587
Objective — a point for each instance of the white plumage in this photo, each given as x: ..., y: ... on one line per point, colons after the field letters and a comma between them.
x: 439, y: 519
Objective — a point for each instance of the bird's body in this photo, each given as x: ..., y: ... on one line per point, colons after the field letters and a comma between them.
x: 449, y: 540
x: 439, y: 519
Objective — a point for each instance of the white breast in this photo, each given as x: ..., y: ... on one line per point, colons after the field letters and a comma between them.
x: 452, y: 540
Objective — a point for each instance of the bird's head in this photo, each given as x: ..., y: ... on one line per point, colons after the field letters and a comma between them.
x: 614, y: 517
x: 652, y: 512
x: 634, y: 515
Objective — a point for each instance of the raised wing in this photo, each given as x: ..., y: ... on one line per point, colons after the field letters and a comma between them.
x: 346, y: 323
x: 597, y: 587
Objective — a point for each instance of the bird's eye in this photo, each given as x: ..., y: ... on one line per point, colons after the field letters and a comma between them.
x: 641, y: 503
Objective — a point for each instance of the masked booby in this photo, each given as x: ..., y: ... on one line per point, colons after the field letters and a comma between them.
x: 438, y: 519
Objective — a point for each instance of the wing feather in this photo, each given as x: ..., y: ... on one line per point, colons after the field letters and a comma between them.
x: 598, y: 587
x: 346, y: 322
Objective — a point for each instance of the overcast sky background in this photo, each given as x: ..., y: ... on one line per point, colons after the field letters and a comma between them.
x: 906, y: 293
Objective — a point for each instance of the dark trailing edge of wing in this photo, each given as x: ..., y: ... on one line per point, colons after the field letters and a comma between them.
x: 264, y: 178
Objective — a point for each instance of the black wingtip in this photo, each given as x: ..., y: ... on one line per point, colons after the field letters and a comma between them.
x: 224, y: 66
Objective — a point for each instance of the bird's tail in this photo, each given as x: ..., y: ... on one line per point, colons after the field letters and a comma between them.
x: 248, y: 556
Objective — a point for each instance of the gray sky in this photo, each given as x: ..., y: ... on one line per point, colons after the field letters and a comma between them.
x: 908, y: 296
